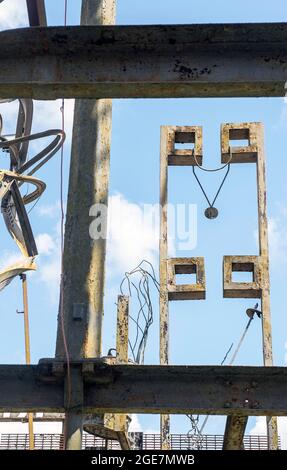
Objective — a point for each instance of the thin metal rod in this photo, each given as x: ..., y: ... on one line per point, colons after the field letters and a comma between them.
x: 240, y: 342
x: 230, y: 363
x: 27, y: 351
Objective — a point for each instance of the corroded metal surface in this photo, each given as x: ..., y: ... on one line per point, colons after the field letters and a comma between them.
x: 234, y: 432
x: 121, y: 388
x: 144, y: 61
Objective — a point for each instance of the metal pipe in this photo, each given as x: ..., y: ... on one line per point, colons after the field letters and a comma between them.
x: 23, y: 277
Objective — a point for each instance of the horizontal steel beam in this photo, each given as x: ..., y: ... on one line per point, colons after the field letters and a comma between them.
x: 206, y: 60
x: 221, y: 390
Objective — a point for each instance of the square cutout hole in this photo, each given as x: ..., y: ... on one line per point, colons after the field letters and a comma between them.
x: 240, y: 276
x: 242, y: 272
x: 185, y: 274
x: 183, y: 146
x: 184, y: 140
x: 239, y: 137
x: 182, y: 279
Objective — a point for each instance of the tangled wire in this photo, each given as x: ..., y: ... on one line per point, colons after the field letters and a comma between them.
x: 138, y: 282
x: 21, y: 168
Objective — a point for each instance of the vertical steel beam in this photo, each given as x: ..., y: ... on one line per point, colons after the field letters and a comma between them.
x: 272, y: 431
x: 84, y: 257
x: 234, y: 432
x: 73, y: 425
x: 163, y: 254
x: 36, y: 12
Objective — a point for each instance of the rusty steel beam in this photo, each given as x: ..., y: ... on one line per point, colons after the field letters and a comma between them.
x: 121, y: 388
x: 199, y: 60
x: 234, y: 432
x: 36, y: 12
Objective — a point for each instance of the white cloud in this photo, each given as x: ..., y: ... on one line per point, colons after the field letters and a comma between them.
x: 47, y: 115
x: 45, y: 243
x: 137, y: 240
x: 13, y: 14
x: 49, y: 210
x: 10, y: 257
x: 49, y: 262
x: 135, y: 425
x: 132, y: 237
x: 260, y: 428
x: 277, y: 229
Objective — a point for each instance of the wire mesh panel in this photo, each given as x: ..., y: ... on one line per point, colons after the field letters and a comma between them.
x: 41, y: 441
x: 149, y: 442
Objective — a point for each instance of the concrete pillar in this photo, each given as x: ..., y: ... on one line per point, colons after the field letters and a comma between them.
x: 163, y: 255
x: 272, y: 431
x: 84, y: 257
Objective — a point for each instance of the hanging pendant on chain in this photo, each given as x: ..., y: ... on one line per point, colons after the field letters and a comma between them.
x: 211, y: 212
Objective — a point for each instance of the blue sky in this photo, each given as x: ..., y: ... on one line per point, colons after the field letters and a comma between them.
x: 201, y: 331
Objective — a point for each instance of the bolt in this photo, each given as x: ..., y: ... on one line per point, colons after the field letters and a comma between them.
x: 227, y: 405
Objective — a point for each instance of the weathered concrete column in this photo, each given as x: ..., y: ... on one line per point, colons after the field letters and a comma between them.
x: 163, y: 298
x: 272, y: 431
x: 84, y: 257
x: 253, y: 153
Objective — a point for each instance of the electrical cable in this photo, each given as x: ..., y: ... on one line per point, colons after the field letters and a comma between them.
x: 62, y: 322
x: 144, y: 318
x: 45, y: 155
x: 213, y: 169
x: 211, y: 212
x: 211, y: 204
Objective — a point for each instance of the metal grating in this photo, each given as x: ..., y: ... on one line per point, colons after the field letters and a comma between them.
x: 150, y: 442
